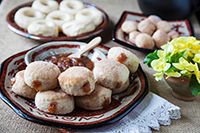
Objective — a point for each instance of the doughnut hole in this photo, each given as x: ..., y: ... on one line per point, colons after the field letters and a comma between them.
x: 160, y: 37
x: 144, y: 40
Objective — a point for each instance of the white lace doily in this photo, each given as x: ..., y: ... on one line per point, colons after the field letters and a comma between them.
x: 152, y: 112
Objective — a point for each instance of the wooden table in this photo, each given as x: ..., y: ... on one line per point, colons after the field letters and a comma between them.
x: 10, y: 44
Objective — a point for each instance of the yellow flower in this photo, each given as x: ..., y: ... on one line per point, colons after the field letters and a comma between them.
x: 160, y: 65
x: 158, y: 76
x: 197, y: 58
x: 197, y: 72
x: 184, y: 65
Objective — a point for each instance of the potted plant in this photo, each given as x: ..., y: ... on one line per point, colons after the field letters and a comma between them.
x: 179, y: 62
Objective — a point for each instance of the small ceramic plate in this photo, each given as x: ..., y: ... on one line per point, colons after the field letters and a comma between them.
x: 121, y: 104
x: 183, y: 27
x: 15, y: 28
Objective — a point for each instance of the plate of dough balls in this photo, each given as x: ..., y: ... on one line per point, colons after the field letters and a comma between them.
x: 99, y: 88
x: 56, y: 20
x: 148, y: 33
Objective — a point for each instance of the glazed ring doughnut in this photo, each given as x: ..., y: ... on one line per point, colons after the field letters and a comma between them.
x: 75, y: 28
x: 24, y: 16
x: 43, y: 27
x: 59, y: 18
x: 89, y: 14
x: 54, y: 102
x: 71, y: 6
x: 45, y: 6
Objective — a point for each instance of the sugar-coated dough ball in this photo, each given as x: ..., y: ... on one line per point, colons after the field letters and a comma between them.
x: 160, y: 37
x: 41, y: 75
x: 144, y: 41
x: 75, y: 28
x: 154, y: 19
x: 45, y: 6
x: 26, y: 15
x: 54, y: 102
x: 133, y: 35
x: 129, y: 26
x: 164, y: 25
x: 71, y: 6
x: 111, y: 74
x: 21, y: 88
x: 59, y: 18
x: 87, y: 15
x: 100, y: 98
x: 173, y: 34
x: 146, y: 26
x: 43, y: 27
x: 125, y: 57
x: 77, y: 81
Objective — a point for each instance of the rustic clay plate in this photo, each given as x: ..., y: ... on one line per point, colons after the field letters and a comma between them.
x: 15, y: 28
x: 121, y: 104
x: 183, y: 27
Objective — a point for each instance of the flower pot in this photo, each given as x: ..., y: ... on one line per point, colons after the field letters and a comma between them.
x: 180, y: 88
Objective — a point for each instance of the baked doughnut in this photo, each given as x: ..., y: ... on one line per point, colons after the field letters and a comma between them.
x: 132, y: 35
x: 100, y: 98
x: 160, y: 37
x: 125, y: 57
x: 41, y: 75
x: 144, y: 40
x: 71, y: 6
x: 59, y: 18
x: 164, y: 25
x: 154, y: 19
x: 129, y: 26
x: 111, y: 74
x: 21, y: 88
x: 77, y: 81
x: 43, y: 27
x: 54, y: 102
x: 173, y: 34
x: 24, y: 16
x: 75, y: 28
x: 146, y: 26
x: 45, y: 6
x: 87, y: 15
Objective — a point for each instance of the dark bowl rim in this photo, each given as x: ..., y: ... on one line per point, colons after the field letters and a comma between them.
x: 28, y: 117
x: 16, y: 29
x: 126, y: 44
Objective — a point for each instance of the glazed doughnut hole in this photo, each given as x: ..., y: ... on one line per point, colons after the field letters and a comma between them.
x: 160, y: 37
x: 45, y: 6
x: 146, y: 26
x: 43, y: 27
x: 129, y: 26
x: 71, y: 6
x: 24, y: 16
x: 144, y: 40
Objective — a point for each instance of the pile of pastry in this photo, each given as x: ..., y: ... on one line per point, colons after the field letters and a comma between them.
x: 48, y: 18
x: 58, y: 93
x: 149, y: 33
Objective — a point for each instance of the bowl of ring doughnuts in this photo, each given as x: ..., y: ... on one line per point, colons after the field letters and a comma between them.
x: 46, y: 86
x: 148, y: 33
x: 56, y: 20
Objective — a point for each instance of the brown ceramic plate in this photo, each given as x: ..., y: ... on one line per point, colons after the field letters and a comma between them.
x: 15, y: 28
x: 183, y: 27
x: 120, y: 106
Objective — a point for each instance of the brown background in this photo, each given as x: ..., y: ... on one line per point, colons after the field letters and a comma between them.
x: 10, y: 43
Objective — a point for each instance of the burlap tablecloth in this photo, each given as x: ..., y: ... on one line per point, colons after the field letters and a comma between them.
x: 10, y: 43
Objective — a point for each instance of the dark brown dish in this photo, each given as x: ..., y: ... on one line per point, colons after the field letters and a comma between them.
x: 15, y: 28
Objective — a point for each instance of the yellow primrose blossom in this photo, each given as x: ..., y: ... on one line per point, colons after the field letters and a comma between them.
x: 184, y: 65
x: 197, y: 73
x: 160, y: 65
x: 158, y: 76
x: 197, y: 58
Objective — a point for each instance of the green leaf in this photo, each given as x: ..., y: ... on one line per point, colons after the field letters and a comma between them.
x: 175, y: 58
x: 194, y: 86
x: 172, y: 69
x: 150, y: 57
